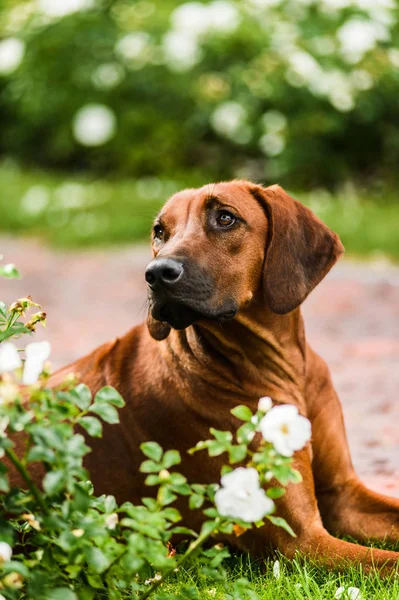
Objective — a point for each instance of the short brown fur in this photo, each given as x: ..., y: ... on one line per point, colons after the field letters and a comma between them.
x: 179, y: 383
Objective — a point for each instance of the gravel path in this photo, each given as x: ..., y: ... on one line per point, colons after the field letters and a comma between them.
x: 352, y: 320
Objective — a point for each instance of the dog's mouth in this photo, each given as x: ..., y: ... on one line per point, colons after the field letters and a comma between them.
x: 180, y: 315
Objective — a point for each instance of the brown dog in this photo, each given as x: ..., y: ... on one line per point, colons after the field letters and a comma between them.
x: 232, y: 264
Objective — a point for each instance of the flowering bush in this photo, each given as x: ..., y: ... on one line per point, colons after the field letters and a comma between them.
x: 59, y: 541
x: 303, y: 91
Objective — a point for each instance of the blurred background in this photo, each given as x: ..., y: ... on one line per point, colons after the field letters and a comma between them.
x: 107, y: 107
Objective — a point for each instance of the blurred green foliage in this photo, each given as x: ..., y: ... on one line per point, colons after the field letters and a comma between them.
x: 87, y: 211
x: 305, y: 92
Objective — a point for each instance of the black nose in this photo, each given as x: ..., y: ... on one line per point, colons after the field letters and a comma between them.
x: 163, y: 270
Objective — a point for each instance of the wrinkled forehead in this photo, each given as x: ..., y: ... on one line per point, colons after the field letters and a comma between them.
x: 191, y: 202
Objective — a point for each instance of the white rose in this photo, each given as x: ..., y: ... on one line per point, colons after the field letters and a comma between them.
x: 9, y: 357
x: 36, y: 355
x: 241, y: 496
x: 287, y: 430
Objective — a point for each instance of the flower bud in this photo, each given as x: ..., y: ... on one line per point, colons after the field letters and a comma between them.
x: 9, y: 392
x: 78, y: 532
x: 21, y: 305
x: 39, y: 317
x: 30, y: 519
x: 164, y: 475
x: 111, y: 521
x: 14, y: 580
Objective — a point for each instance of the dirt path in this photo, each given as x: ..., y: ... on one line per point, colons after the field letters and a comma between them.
x: 352, y: 320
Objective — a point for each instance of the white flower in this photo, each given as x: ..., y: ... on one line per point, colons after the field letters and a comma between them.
x: 132, y: 45
x: 5, y: 552
x: 11, y: 54
x: 353, y: 593
x: 241, y: 496
x: 61, y: 8
x: 361, y: 79
x: 36, y: 355
x: 111, y: 521
x: 285, y: 429
x: 276, y: 570
x: 107, y: 76
x: 94, y: 125
x: 358, y: 36
x: 9, y: 357
x: 228, y: 118
x: 223, y: 16
x: 35, y: 200
x: 272, y: 144
x: 182, y: 50
x: 304, y: 66
x: 265, y: 403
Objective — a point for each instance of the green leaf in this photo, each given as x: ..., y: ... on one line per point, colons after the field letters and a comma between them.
x: 92, y: 425
x: 3, y: 310
x: 81, y: 396
x: 196, y: 501
x: 4, y: 483
x: 9, y: 271
x: 242, y: 412
x: 216, y: 449
x: 61, y: 593
x: 275, y: 492
x: 149, y: 466
x: 97, y: 559
x: 108, y: 413
x: 40, y: 454
x: 280, y: 522
x: 237, y: 453
x: 53, y: 481
x: 170, y: 458
x: 152, y: 450
x: 109, y: 395
x: 221, y: 436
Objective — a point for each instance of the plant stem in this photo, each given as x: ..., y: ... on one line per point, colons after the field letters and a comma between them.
x: 191, y: 549
x: 23, y: 471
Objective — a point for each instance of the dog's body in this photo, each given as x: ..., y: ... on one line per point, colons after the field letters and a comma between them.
x: 233, y: 262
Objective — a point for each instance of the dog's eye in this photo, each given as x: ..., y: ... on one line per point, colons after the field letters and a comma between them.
x: 225, y: 219
x: 158, y: 232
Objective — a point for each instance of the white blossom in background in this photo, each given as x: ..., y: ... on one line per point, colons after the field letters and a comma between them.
x: 358, y: 36
x: 181, y: 50
x: 5, y: 552
x: 331, y: 6
x: 272, y: 144
x: 61, y: 8
x: 107, y: 76
x: 361, y: 79
x: 190, y: 22
x: 12, y: 51
x: 9, y: 357
x: 353, y: 593
x: 265, y: 403
x: 393, y: 55
x: 274, y: 120
x: 303, y: 68
x: 241, y: 496
x: 132, y: 45
x: 35, y: 200
x: 228, y: 117
x: 286, y: 429
x: 223, y: 16
x: 94, y: 125
x: 111, y: 521
x: 276, y: 570
x: 36, y: 355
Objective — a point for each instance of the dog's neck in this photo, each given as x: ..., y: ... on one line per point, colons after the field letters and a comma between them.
x: 255, y: 354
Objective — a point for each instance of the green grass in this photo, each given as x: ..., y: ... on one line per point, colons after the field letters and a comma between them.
x: 298, y: 581
x: 72, y: 210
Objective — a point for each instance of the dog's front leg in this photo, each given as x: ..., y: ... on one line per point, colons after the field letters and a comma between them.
x: 299, y: 507
x: 347, y: 507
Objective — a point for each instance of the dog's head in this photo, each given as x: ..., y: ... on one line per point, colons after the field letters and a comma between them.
x: 218, y: 246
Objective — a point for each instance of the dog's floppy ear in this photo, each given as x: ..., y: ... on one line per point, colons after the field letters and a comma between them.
x: 300, y: 249
x: 158, y: 329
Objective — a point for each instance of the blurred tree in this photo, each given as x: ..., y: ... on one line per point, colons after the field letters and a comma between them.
x: 302, y: 91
